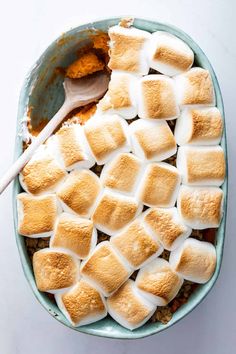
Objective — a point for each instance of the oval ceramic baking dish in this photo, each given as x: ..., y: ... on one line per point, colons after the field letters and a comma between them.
x: 44, y: 92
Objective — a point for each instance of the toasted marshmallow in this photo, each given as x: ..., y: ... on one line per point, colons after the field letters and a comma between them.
x: 168, y: 54
x: 194, y: 260
x: 74, y: 233
x: 167, y: 226
x: 70, y: 147
x: 122, y: 173
x: 201, y: 165
x: 128, y: 307
x: 36, y: 214
x: 114, y: 211
x: 79, y: 192
x: 195, y: 88
x: 106, y: 137
x: 200, y: 207
x: 152, y: 141
x: 159, y: 186
x: 82, y: 304
x: 158, y: 282
x: 157, y: 98
x: 55, y: 269
x: 202, y: 126
x: 136, y: 244
x: 128, y: 49
x: 42, y: 174
x: 105, y: 269
x: 120, y: 97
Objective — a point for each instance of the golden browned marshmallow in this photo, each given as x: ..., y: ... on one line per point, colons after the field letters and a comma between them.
x: 168, y: 54
x: 36, y: 215
x: 114, y: 211
x: 128, y: 307
x: 200, y: 207
x: 122, y: 173
x: 74, y: 233
x: 158, y: 282
x: 82, y: 304
x: 195, y: 88
x: 152, y: 140
x: 79, y: 192
x: 55, y: 269
x: 120, y: 97
x: 70, y: 147
x: 157, y: 98
x: 167, y: 226
x: 202, y: 126
x: 42, y: 174
x: 159, y: 185
x: 136, y: 244
x: 194, y: 260
x: 105, y: 269
x: 201, y: 165
x: 106, y: 137
x: 128, y: 49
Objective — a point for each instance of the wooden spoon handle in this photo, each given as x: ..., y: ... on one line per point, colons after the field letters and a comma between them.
x: 40, y: 139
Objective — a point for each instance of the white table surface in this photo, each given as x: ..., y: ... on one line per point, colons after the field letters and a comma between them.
x: 26, y: 28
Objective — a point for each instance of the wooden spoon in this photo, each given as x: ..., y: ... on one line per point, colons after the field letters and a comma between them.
x: 78, y: 93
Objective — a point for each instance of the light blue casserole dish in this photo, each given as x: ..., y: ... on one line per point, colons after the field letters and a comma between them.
x: 43, y: 90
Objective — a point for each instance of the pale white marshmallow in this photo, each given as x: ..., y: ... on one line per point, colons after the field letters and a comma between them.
x: 157, y: 98
x: 34, y: 177
x: 167, y: 226
x: 200, y: 207
x: 37, y: 214
x: 129, y: 307
x: 168, y: 54
x: 113, y: 211
x: 201, y: 165
x: 128, y: 49
x: 107, y: 136
x: 121, y: 96
x: 105, y: 268
x: 158, y: 282
x: 194, y: 260
x: 123, y: 173
x: 194, y: 88
x: 152, y: 140
x: 55, y: 269
x: 137, y: 244
x: 202, y: 126
x: 70, y: 147
x: 159, y: 186
x: 74, y: 233
x: 82, y: 304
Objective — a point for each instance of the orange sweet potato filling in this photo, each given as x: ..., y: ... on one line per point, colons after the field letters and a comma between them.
x: 91, y: 59
x: 87, y: 64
